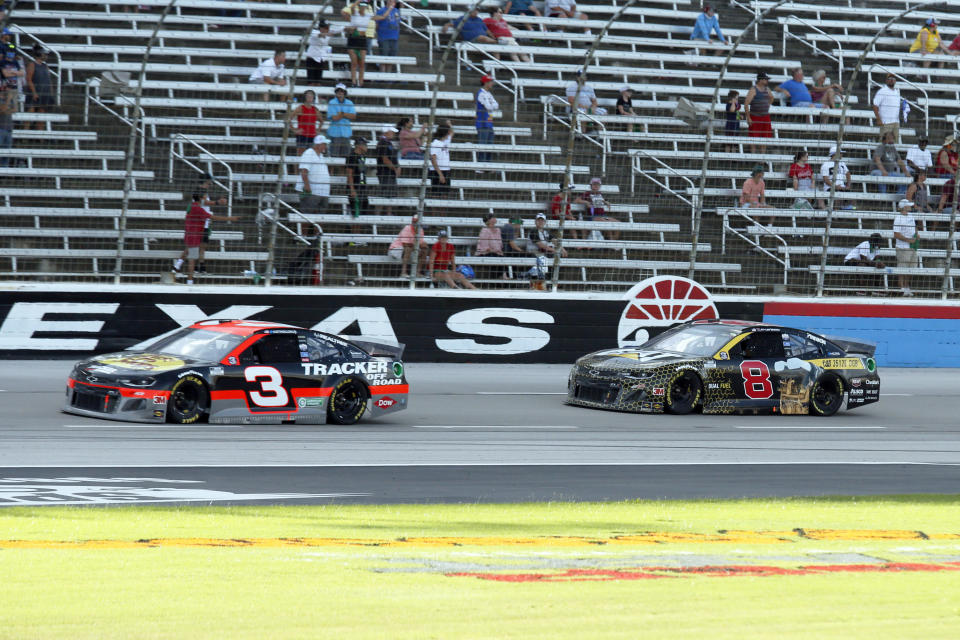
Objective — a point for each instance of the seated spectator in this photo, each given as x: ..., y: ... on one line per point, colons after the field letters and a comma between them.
x: 907, y: 243
x: 443, y: 264
x: 597, y: 206
x: 474, y: 30
x: 831, y: 169
x: 888, y: 162
x: 522, y: 8
x: 928, y: 41
x: 313, y: 180
x: 541, y: 239
x: 556, y: 203
x: 584, y: 98
x: 361, y: 31
x: 918, y: 157
x: 308, y: 120
x: 946, y: 203
x: 410, y: 142
x: 514, y: 242
x: 753, y: 193
x: 801, y: 173
x: 625, y: 105
x: 401, y: 249
x: 565, y: 9
x: 797, y: 91
x: 490, y: 244
x: 317, y: 51
x: 919, y: 194
x: 707, y: 24
x: 499, y: 29
x: 270, y: 71
x: 823, y: 93
x: 388, y: 31
x: 947, y: 158
x: 865, y: 255
x: 732, y: 109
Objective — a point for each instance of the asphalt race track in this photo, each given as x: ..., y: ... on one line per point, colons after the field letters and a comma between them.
x: 479, y: 433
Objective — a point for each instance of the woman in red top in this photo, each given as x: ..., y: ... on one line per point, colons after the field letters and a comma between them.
x: 801, y: 172
x: 443, y: 264
x: 947, y: 158
x: 308, y: 120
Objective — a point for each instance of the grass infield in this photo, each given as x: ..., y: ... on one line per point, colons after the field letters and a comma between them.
x: 874, y: 567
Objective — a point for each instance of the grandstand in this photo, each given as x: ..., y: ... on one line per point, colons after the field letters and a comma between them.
x: 64, y: 179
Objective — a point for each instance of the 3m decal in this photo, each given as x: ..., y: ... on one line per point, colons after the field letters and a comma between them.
x: 756, y: 379
x: 272, y: 393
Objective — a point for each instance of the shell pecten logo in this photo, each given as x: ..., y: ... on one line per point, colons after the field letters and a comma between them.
x: 662, y: 302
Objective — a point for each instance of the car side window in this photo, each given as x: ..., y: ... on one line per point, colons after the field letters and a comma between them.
x: 320, y: 349
x: 273, y: 348
x: 799, y: 346
x: 762, y: 344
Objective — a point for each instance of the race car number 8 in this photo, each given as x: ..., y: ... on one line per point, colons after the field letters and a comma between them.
x: 756, y: 379
x: 272, y: 393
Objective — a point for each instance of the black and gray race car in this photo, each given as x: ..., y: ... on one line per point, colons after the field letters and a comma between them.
x: 726, y: 366
x: 241, y: 372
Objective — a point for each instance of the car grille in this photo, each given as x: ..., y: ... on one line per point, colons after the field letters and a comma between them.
x: 94, y: 399
x: 601, y: 392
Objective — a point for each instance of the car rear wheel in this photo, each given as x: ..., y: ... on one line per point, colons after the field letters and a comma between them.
x: 684, y: 393
x: 348, y: 402
x: 189, y: 400
x: 826, y: 396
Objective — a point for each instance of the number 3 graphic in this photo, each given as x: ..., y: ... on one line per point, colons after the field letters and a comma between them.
x: 756, y: 379
x: 273, y: 385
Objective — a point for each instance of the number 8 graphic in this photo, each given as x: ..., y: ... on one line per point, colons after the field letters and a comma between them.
x: 273, y: 385
x: 756, y: 379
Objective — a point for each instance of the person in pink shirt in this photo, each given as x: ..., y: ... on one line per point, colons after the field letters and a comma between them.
x: 401, y: 249
x: 753, y: 194
x: 500, y: 30
x: 490, y: 243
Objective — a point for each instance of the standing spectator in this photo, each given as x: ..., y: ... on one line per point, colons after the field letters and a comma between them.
x: 357, y: 178
x: 732, y: 109
x: 918, y: 157
x: 388, y: 167
x: 565, y: 9
x: 707, y: 24
x: 499, y: 29
x: 757, y: 108
x: 556, y: 204
x: 886, y: 106
x: 474, y: 30
x: 443, y: 264
x: 522, y: 8
x: 319, y: 48
x: 388, y: 31
x: 823, y: 93
x: 541, y: 239
x: 490, y: 244
x: 12, y: 74
x: 193, y: 229
x: 865, y: 255
x: 801, y: 173
x: 270, y: 72
x: 440, y: 162
x: 401, y: 249
x: 597, y: 206
x: 834, y: 169
x: 947, y: 158
x: 583, y: 98
x: 39, y: 88
x: 514, y: 242
x: 486, y: 104
x: 410, y: 141
x: 6, y: 129
x: 362, y: 29
x: 308, y: 119
x: 797, y: 91
x: 928, y: 41
x: 905, y: 233
x: 313, y: 181
x: 341, y: 113
x: 919, y: 194
x: 888, y: 162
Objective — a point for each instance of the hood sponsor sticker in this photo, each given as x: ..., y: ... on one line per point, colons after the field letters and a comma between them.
x: 143, y: 361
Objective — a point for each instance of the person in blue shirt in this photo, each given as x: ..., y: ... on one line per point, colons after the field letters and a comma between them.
x: 474, y: 30
x: 798, y: 92
x: 388, y: 30
x: 340, y: 113
x: 706, y: 24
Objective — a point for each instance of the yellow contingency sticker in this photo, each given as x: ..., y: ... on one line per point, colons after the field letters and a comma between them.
x: 839, y: 363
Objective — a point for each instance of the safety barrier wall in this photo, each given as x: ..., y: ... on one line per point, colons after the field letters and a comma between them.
x: 38, y: 321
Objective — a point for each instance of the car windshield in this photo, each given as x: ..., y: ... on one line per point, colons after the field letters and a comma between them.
x: 197, y: 344
x: 694, y: 340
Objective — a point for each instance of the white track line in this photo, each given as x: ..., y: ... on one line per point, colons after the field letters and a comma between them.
x: 196, y: 427
x: 180, y: 465
x: 799, y: 428
x: 488, y: 426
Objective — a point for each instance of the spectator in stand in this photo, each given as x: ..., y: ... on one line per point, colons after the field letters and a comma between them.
x: 624, y: 105
x: 801, y: 173
x: 947, y: 158
x: 753, y: 194
x: 202, y: 189
x: 401, y: 249
x: 556, y: 204
x: 443, y: 264
x: 357, y: 178
x: 828, y: 172
x: 597, y: 206
x: 928, y: 41
x: 39, y: 87
x: 584, y: 98
x: 954, y: 48
x: 410, y: 141
x: 308, y: 120
x: 440, y: 162
x: 319, y: 48
x: 706, y: 25
x: 565, y: 9
x: 514, y: 242
x: 270, y: 72
x: 865, y: 255
x: 757, y: 108
x: 732, y: 127
x: 946, y: 203
x: 486, y: 104
x: 888, y: 162
x: 313, y: 182
x: 919, y: 194
x: 522, y: 8
x: 388, y: 31
x: 360, y: 33
x: 823, y: 93
x: 919, y: 157
x: 797, y: 91
x: 6, y: 129
x: 905, y: 233
x: 541, y: 239
x: 886, y: 106
x: 388, y: 167
x: 12, y: 74
x: 474, y: 30
x: 193, y: 229
x: 499, y: 29
x: 490, y: 244
x: 340, y: 113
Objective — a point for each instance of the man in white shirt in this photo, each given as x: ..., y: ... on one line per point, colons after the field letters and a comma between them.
x: 905, y: 233
x: 827, y: 173
x: 886, y: 106
x: 919, y: 157
x: 565, y: 9
x: 486, y: 106
x: 270, y: 72
x: 584, y: 99
x: 318, y: 50
x: 865, y: 255
x: 313, y: 180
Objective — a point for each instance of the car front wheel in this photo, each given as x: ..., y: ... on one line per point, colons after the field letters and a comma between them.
x: 826, y: 396
x: 684, y: 393
x: 189, y: 400
x: 348, y: 402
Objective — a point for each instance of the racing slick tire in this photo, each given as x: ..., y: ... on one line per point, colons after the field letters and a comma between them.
x: 189, y: 400
x: 826, y: 396
x: 684, y: 393
x: 348, y: 401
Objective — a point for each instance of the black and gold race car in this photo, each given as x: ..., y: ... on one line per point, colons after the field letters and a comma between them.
x: 727, y: 366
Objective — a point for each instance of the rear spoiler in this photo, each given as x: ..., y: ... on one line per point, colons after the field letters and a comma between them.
x: 380, y: 349
x: 852, y: 346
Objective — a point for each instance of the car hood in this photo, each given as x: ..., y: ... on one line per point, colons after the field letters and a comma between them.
x: 619, y: 359
x: 142, y: 362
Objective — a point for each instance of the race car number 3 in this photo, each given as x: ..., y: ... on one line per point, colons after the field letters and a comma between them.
x: 271, y: 393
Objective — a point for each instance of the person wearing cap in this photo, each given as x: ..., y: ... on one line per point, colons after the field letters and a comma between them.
x: 11, y: 74
x: 313, y: 180
x: 401, y: 249
x: 757, y: 110
x: 865, y: 255
x: 886, y: 107
x: 907, y: 242
x: 443, y: 264
x: 888, y: 163
x: 341, y: 113
x: 39, y: 86
x: 308, y: 121
x: 357, y: 178
x: 270, y: 72
x: 919, y: 157
x: 388, y: 31
x: 440, y: 161
x: 947, y: 158
x: 706, y: 25
x: 834, y: 168
x: 928, y: 41
x: 486, y: 104
x: 360, y: 32
x: 499, y: 29
x: 474, y: 30
x: 597, y: 206
x: 388, y: 166
x: 540, y: 238
x: 318, y: 49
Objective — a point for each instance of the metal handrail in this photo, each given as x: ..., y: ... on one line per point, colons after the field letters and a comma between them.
x: 753, y: 7
x: 786, y: 32
x: 19, y: 31
x: 267, y: 212
x: 548, y: 105
x: 427, y: 36
x: 786, y: 255
x: 88, y: 98
x: 466, y: 61
x: 926, y: 112
x: 636, y: 168
x: 178, y: 139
